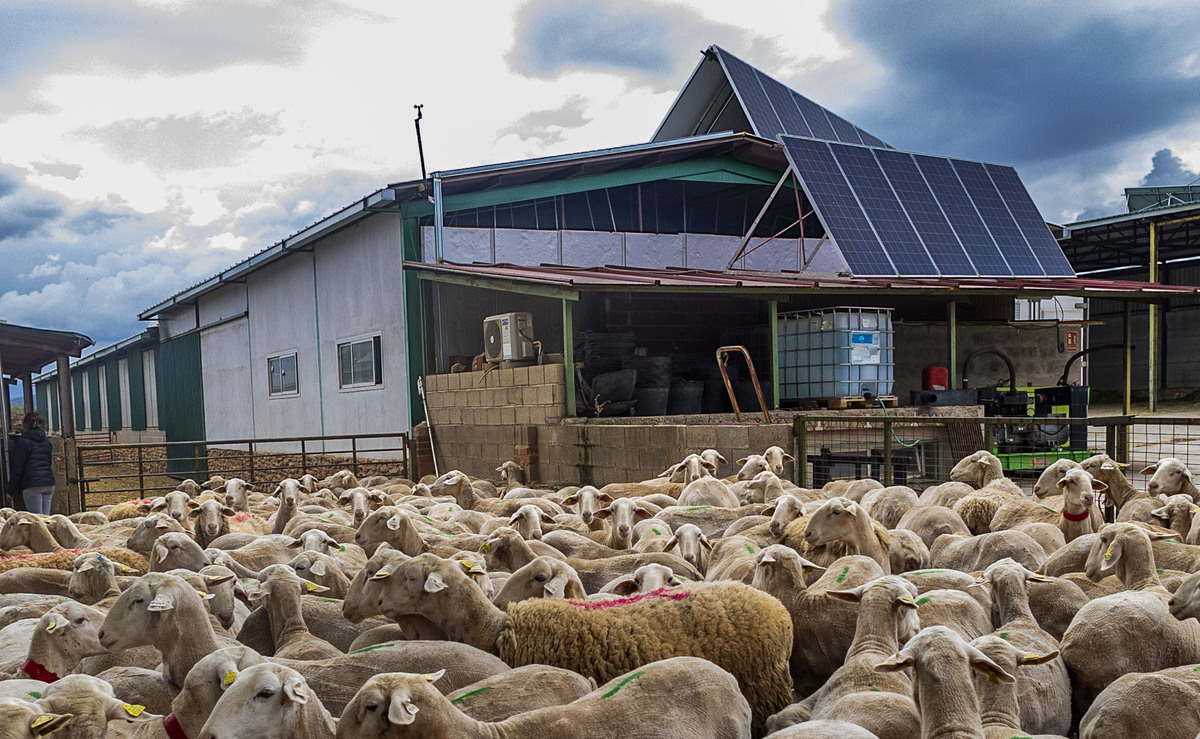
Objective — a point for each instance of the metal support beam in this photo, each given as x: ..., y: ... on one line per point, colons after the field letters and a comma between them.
x: 1127, y: 394
x: 66, y: 404
x: 762, y: 212
x: 27, y: 394
x: 438, y: 218
x: 1152, y: 332
x: 773, y: 319
x: 4, y: 462
x: 568, y: 314
x: 952, y: 343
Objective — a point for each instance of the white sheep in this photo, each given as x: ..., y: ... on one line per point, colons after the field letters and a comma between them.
x: 601, y: 640
x: 1073, y: 511
x: 1170, y: 476
x: 841, y: 519
x: 273, y: 699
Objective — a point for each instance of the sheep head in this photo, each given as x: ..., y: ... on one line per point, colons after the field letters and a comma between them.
x: 1170, y: 476
x: 26, y: 719
x: 267, y: 695
x: 392, y: 699
x: 889, y: 594
x: 1047, y: 482
x: 942, y: 647
x: 93, y: 575
x: 834, y: 520
x: 362, y: 597
x: 752, y: 465
x: 138, y: 615
x: 977, y: 469
x: 421, y: 586
x: 784, y: 510
x: 586, y: 501
x: 177, y: 550
x: 207, y: 681
x: 624, y: 513
x: 528, y: 521
x: 544, y: 577
x: 1114, y: 544
x: 691, y: 541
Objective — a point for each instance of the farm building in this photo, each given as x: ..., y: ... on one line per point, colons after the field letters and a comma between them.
x: 751, y: 217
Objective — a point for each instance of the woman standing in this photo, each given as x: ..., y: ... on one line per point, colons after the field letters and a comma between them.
x: 33, y: 473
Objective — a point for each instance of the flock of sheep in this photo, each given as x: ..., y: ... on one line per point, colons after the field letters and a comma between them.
x: 685, y: 606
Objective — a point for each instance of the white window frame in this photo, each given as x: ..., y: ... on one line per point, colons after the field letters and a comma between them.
x: 295, y: 355
x: 123, y: 386
x: 376, y: 341
x: 150, y: 388
x: 102, y: 383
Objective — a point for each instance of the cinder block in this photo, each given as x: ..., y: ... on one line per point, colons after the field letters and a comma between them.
x: 733, y: 440
x: 553, y: 373
x: 700, y: 438
x: 521, y: 375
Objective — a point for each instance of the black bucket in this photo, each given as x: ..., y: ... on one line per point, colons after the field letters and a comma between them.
x: 651, y: 401
x: 687, y: 397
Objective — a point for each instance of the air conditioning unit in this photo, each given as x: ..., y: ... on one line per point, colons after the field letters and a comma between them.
x: 508, y: 337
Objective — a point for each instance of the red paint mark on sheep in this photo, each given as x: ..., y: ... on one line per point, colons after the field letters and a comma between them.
x: 243, y: 516
x: 661, y: 593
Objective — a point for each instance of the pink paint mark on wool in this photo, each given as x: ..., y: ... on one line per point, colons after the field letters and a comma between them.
x: 661, y: 593
x: 238, y: 518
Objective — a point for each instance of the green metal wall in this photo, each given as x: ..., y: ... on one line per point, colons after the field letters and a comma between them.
x: 137, y: 392
x: 94, y: 396
x: 181, y: 401
x: 112, y: 374
x: 41, y: 399
x: 77, y: 398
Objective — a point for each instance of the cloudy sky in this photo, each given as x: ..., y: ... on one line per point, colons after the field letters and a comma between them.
x: 147, y: 144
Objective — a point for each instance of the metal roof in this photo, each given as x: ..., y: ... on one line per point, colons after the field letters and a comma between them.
x: 568, y: 281
x: 24, y: 349
x: 147, y: 336
x: 1122, y: 242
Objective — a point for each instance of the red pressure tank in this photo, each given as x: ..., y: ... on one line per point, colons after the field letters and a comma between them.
x: 935, y: 378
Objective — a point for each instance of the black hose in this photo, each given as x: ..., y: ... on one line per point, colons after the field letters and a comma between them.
x: 1012, y: 370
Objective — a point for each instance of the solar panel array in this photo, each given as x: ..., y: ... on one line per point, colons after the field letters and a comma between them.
x: 774, y: 108
x: 894, y: 213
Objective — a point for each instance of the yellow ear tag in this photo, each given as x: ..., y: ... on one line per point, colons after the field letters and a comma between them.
x: 467, y: 564
x: 429, y: 677
x: 127, y: 568
x: 40, y: 720
x: 381, y: 574
x: 1037, y: 576
x: 993, y: 678
x: 486, y: 547
x: 1107, y: 554
x: 50, y: 627
x: 1031, y: 657
x: 311, y: 587
x: 908, y: 600
x: 134, y: 711
x: 229, y: 678
x: 214, y: 577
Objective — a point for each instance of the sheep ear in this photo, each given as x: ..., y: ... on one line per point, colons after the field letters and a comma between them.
x: 162, y: 524
x: 312, y: 587
x: 980, y: 662
x: 1150, y: 470
x: 853, y: 595
x: 546, y: 519
x: 704, y: 542
x: 434, y: 583
x: 226, y: 511
x: 393, y: 523
x: 161, y: 552
x: 118, y: 711
x: 1037, y: 659
x: 219, y: 579
x: 161, y: 602
x: 770, y: 511
x: 766, y: 556
x: 194, y: 513
x: 571, y: 500
x: 788, y: 458
x: 671, y: 543
x: 317, y: 568
x: 401, y: 711
x: 433, y: 677
x: 852, y: 509
x: 708, y: 466
x: 667, y: 472
x: 1111, y: 556
x: 642, y: 514
x: 48, y: 723
x: 626, y: 586
x: 1098, y: 486
x: 603, y: 512
x: 743, y: 460
x: 1161, y: 513
x: 24, y: 522
x: 810, y: 566
x: 86, y: 567
x: 296, y: 690
x: 605, y: 497
x: 895, y: 663
x: 381, y: 574
x: 296, y: 544
x: 377, y: 497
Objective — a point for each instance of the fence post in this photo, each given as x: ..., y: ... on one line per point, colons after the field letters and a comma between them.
x: 83, y: 486
x: 989, y: 434
x: 141, y: 476
x: 354, y: 454
x: 250, y: 451
x: 799, y: 451
x: 888, y: 475
x: 303, y: 458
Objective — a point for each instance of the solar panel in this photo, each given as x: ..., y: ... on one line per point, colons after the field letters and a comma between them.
x: 775, y: 108
x: 754, y: 100
x: 1049, y: 254
x: 926, y: 214
x: 837, y: 207
x: 997, y: 218
x: 929, y: 215
x: 883, y: 208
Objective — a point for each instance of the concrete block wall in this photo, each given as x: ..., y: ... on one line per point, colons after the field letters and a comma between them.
x: 480, y: 418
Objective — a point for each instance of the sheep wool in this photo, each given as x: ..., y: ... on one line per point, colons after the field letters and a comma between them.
x: 742, y: 630
x: 64, y: 559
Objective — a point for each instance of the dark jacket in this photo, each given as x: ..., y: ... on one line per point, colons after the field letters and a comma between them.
x: 32, y: 461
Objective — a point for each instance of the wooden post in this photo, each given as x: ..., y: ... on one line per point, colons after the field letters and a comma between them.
x: 1152, y: 329
x: 27, y: 390
x: 568, y: 309
x: 66, y: 404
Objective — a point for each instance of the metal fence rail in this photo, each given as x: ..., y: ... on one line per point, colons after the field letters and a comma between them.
x: 120, y: 472
x: 921, y: 451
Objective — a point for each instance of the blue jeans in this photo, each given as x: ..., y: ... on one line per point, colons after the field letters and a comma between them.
x: 37, y: 500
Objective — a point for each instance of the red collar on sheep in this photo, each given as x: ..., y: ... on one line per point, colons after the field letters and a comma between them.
x: 1076, y: 516
x: 172, y: 727
x: 37, y: 672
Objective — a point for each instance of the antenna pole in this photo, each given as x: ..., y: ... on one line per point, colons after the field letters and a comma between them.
x: 420, y: 146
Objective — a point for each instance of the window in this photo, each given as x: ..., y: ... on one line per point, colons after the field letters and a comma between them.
x: 282, y: 376
x: 150, y: 388
x: 360, y: 363
x: 123, y: 385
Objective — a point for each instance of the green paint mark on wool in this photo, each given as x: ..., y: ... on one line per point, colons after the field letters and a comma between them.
x: 373, y: 647
x: 328, y: 600
x: 845, y: 571
x: 617, y: 688
x: 1004, y: 635
x: 1160, y: 570
x: 875, y: 690
x: 924, y: 600
x: 427, y: 518
x: 342, y: 548
x: 750, y: 549
x: 698, y: 508
x: 656, y: 532
x: 472, y: 694
x: 35, y: 694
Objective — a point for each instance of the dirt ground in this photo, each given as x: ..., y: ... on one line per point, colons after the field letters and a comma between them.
x: 108, y: 489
